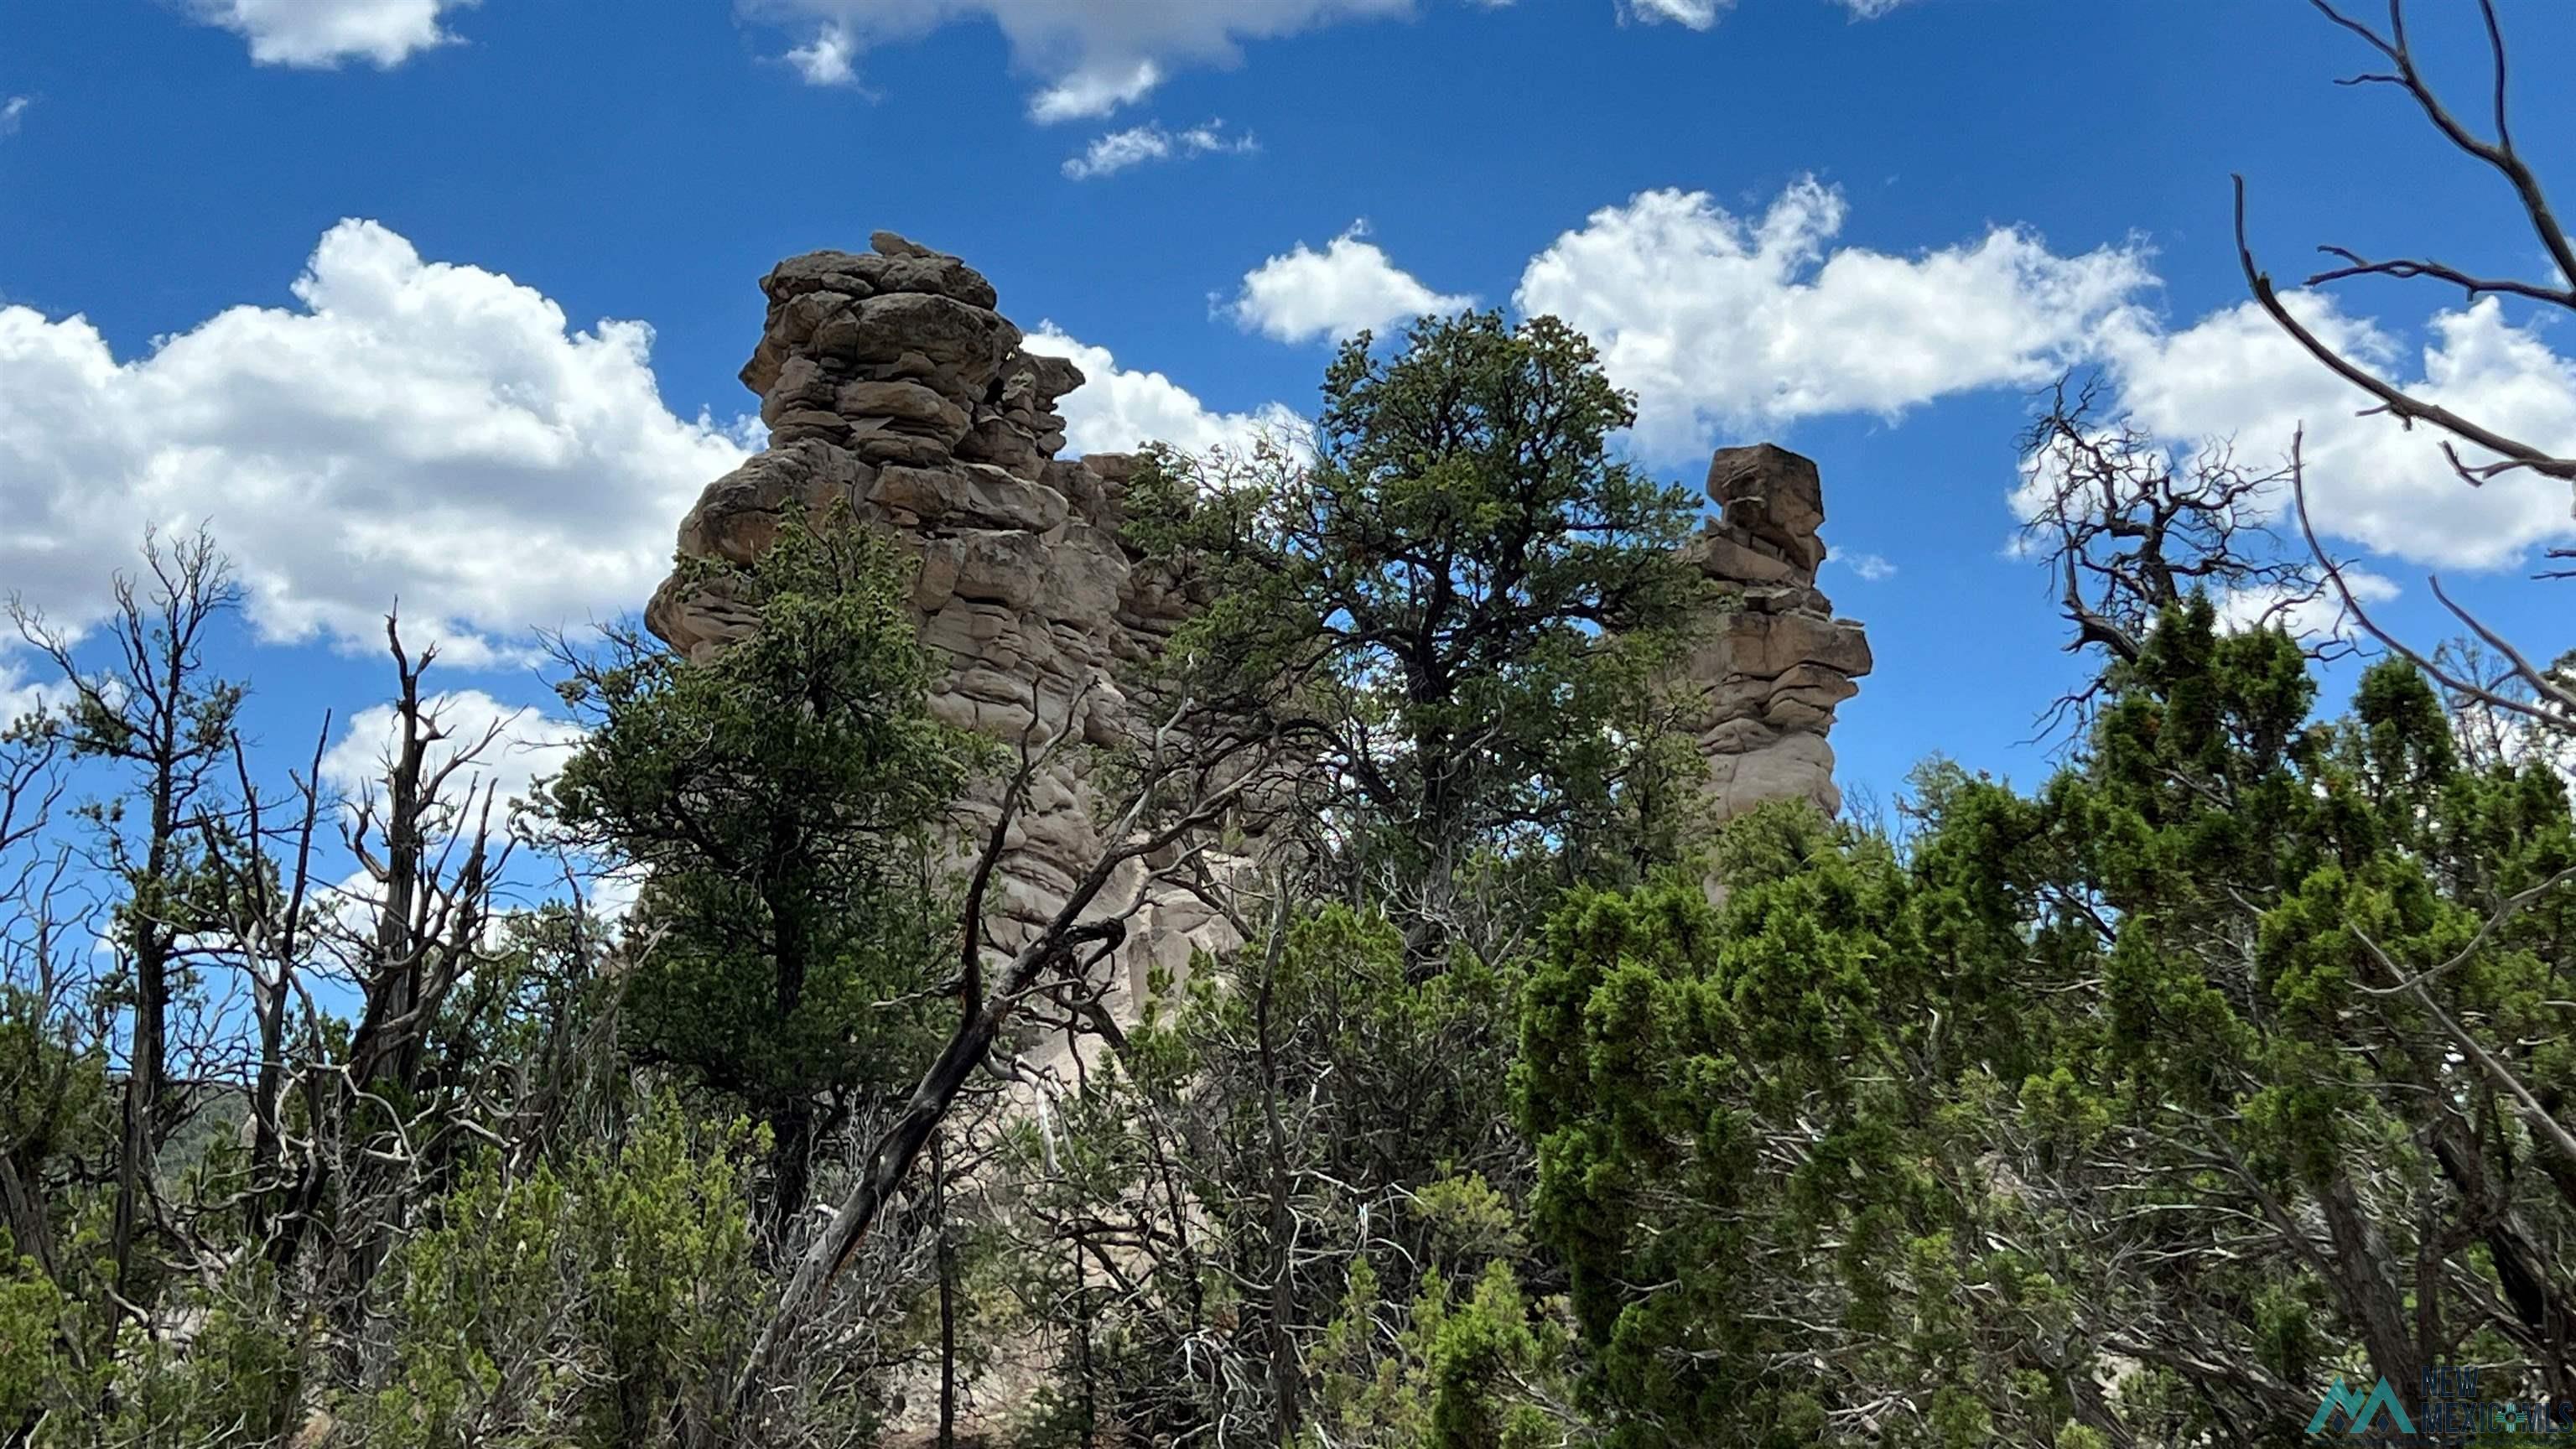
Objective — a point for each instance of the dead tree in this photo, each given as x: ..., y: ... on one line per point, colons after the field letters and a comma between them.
x: 2131, y: 525
x: 156, y: 712
x: 2538, y: 695
x: 430, y: 858
x: 270, y: 930
x: 1182, y: 783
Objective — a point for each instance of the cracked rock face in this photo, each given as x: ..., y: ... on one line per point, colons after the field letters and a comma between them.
x: 891, y: 384
x: 1773, y: 663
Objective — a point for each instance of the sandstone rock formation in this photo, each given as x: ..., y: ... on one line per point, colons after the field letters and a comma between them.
x: 1772, y: 665
x: 890, y: 383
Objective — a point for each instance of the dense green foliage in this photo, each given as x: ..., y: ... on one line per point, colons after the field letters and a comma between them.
x: 2100, y: 1107
x: 1459, y: 601
x: 783, y: 800
x: 608, y: 1299
x: 1309, y: 1160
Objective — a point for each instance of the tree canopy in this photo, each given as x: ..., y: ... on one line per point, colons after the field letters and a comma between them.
x: 785, y: 803
x: 1459, y: 596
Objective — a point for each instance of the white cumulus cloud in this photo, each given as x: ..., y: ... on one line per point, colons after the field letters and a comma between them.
x: 1115, y: 409
x: 1347, y: 288
x: 1697, y: 14
x: 1869, y: 566
x: 417, y: 431
x: 324, y: 33
x: 513, y: 751
x: 2234, y: 374
x: 829, y: 59
x: 1117, y: 151
x: 1095, y: 90
x: 1719, y: 322
x: 2309, y: 619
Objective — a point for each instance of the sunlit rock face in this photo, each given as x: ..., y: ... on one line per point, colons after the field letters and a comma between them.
x: 1771, y: 664
x: 892, y: 385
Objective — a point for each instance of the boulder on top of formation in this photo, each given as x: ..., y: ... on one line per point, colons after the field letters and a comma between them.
x: 893, y: 387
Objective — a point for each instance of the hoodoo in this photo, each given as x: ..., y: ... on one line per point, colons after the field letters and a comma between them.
x: 1775, y: 663
x: 891, y: 384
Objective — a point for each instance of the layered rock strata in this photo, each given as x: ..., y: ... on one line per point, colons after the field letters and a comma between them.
x: 1771, y: 663
x: 892, y: 385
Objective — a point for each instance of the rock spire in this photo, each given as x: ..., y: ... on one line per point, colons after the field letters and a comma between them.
x: 1771, y: 666
x: 890, y: 383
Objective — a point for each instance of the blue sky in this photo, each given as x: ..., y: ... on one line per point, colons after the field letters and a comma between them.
x: 527, y: 233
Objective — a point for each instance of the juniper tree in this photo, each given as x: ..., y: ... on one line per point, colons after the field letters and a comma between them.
x: 2229, y: 1059
x: 783, y: 800
x: 1460, y: 598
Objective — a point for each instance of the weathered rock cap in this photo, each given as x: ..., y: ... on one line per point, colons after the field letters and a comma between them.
x: 1773, y: 500
x: 903, y: 311
x: 893, y: 264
